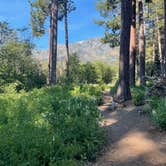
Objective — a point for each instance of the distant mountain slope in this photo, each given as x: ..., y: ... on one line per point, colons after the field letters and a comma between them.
x: 87, y: 50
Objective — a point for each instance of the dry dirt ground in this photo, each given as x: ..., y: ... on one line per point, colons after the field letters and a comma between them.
x: 133, y: 139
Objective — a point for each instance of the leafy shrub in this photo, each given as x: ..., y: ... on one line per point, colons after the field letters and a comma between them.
x: 93, y: 90
x: 105, y: 73
x: 153, y: 101
x: 91, y: 73
x: 17, y: 65
x: 159, y: 111
x: 114, y: 88
x: 138, y: 95
x: 147, y: 108
x: 11, y: 88
x: 50, y: 126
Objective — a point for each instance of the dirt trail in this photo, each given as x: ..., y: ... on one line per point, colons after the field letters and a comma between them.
x: 133, y: 139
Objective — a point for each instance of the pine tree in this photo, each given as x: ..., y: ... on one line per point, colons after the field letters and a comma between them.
x: 133, y: 44
x: 110, y: 12
x: 66, y: 7
x: 153, y: 16
x: 164, y: 55
x: 6, y: 33
x: 55, y: 10
x: 141, y: 43
x: 40, y: 11
x: 53, y: 41
x: 66, y: 39
x: 123, y: 91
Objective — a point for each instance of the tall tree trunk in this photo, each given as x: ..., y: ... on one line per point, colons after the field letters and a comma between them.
x: 133, y: 44
x: 141, y: 43
x: 153, y: 42
x: 123, y: 91
x: 153, y: 51
x: 53, y: 42
x: 164, y: 55
x: 159, y: 39
x: 67, y: 39
x: 49, y: 53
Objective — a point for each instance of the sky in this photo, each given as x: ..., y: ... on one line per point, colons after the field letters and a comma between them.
x: 81, y: 21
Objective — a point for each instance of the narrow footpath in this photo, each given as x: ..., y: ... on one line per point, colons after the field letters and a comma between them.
x: 133, y: 139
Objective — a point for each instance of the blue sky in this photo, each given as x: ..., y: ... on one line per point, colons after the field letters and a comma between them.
x: 81, y: 21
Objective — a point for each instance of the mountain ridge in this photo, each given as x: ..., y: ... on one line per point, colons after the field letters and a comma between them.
x: 87, y: 50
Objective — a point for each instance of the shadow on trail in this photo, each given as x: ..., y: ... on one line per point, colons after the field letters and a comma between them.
x: 133, y: 140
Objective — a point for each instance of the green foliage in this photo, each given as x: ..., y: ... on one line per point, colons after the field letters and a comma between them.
x: 89, y: 73
x: 110, y: 12
x: 114, y: 88
x: 93, y: 73
x: 65, y: 6
x: 153, y: 68
x: 155, y: 106
x: 159, y: 111
x: 39, y: 13
x: 17, y: 65
x: 11, y: 87
x: 50, y: 126
x: 153, y: 101
x: 138, y: 95
x: 94, y: 91
x: 147, y: 108
x: 75, y: 69
x: 6, y: 33
x: 41, y: 10
x: 154, y: 19
x: 105, y: 73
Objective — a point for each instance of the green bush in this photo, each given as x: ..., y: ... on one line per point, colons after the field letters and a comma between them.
x: 90, y: 73
x: 147, y: 108
x: 138, y: 95
x: 154, y: 101
x: 93, y: 90
x: 159, y: 111
x: 114, y: 88
x: 18, y: 65
x: 50, y: 126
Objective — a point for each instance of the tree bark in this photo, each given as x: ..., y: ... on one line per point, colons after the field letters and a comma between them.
x: 159, y: 39
x: 49, y: 52
x: 67, y: 40
x: 141, y: 43
x: 153, y: 45
x: 133, y: 44
x: 53, y: 42
x: 123, y: 91
x: 164, y: 55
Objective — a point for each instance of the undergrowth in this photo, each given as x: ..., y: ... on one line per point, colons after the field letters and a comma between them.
x: 55, y: 126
